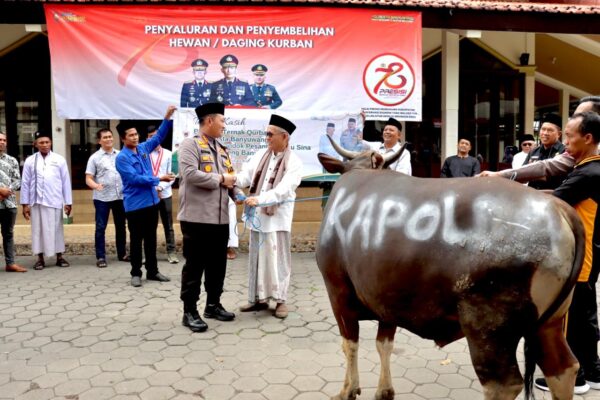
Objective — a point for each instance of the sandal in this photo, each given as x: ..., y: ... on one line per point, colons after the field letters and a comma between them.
x: 61, y: 262
x: 125, y: 258
x: 101, y: 263
x: 39, y: 265
x: 231, y: 254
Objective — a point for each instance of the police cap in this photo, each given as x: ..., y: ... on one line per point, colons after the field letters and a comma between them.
x: 199, y: 65
x: 229, y: 60
x: 553, y: 119
x: 394, y: 122
x: 210, y: 108
x: 259, y: 69
x: 285, y: 124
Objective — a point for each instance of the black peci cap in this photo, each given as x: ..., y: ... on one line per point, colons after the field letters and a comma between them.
x: 151, y: 128
x: 279, y: 121
x: 210, y: 108
x: 330, y: 125
x: 527, y: 138
x: 394, y: 122
x: 553, y: 119
x: 40, y: 134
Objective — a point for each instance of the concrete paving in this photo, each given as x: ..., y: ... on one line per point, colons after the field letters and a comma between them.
x: 84, y: 333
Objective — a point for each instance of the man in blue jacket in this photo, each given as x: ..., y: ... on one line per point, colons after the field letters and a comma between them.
x: 139, y: 196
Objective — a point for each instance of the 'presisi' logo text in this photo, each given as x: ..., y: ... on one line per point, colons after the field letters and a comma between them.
x: 389, y: 79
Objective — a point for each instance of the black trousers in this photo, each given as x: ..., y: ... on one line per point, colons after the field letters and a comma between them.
x: 205, y: 251
x: 165, y: 209
x: 142, y: 225
x: 582, y: 329
x: 8, y: 216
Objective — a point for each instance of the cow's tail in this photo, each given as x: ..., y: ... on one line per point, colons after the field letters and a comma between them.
x: 532, y: 353
x: 532, y: 350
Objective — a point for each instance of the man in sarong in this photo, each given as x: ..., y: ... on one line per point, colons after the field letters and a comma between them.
x: 273, y: 174
x: 45, y: 191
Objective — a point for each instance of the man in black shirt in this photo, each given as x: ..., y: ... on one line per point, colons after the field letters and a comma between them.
x: 551, y: 145
x: 461, y: 165
x: 581, y: 189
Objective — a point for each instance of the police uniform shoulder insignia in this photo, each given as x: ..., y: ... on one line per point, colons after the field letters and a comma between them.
x: 202, y: 144
x: 207, y: 168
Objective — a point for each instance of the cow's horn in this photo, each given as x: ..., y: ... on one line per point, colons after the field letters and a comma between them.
x: 391, y: 158
x: 343, y: 152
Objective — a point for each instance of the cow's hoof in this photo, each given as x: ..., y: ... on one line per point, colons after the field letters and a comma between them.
x: 385, y: 394
x: 350, y: 396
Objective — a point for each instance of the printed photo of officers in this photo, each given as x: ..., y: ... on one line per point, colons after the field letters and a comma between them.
x: 230, y: 90
x: 196, y: 92
x: 265, y: 95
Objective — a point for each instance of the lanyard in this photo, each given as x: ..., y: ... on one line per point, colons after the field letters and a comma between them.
x: 156, y: 165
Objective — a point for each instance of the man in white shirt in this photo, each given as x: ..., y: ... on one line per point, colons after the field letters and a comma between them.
x: 45, y: 190
x: 527, y: 144
x: 392, y: 131
x: 161, y: 160
x: 102, y: 177
x: 273, y: 174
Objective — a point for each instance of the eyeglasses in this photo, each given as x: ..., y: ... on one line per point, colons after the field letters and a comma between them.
x: 270, y: 134
x: 526, y: 144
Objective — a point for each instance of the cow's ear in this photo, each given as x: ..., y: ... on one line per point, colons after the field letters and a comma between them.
x: 331, y: 164
x: 376, y: 161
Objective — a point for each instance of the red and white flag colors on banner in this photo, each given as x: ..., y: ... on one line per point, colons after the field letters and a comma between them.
x: 128, y: 62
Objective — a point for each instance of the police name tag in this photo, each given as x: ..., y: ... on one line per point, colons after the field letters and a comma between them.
x: 240, y: 91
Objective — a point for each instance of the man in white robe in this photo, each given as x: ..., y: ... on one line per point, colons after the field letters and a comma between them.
x: 45, y: 190
x: 273, y: 174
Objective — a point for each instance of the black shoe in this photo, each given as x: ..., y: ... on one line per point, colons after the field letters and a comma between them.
x: 217, y: 311
x: 136, y: 281
x: 193, y: 321
x: 158, y: 277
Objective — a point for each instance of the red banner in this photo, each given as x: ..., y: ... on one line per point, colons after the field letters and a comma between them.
x: 128, y: 62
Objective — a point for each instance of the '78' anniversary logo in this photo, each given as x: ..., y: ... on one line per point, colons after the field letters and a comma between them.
x: 389, y: 79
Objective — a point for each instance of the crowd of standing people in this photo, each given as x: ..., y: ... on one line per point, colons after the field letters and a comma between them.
x: 135, y: 184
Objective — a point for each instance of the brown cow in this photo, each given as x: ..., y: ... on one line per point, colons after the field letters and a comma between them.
x: 485, y: 259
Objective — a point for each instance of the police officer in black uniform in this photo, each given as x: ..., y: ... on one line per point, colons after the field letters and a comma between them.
x: 230, y: 90
x: 197, y: 92
x: 265, y: 95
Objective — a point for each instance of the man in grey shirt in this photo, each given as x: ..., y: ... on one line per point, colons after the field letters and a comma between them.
x: 102, y: 177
